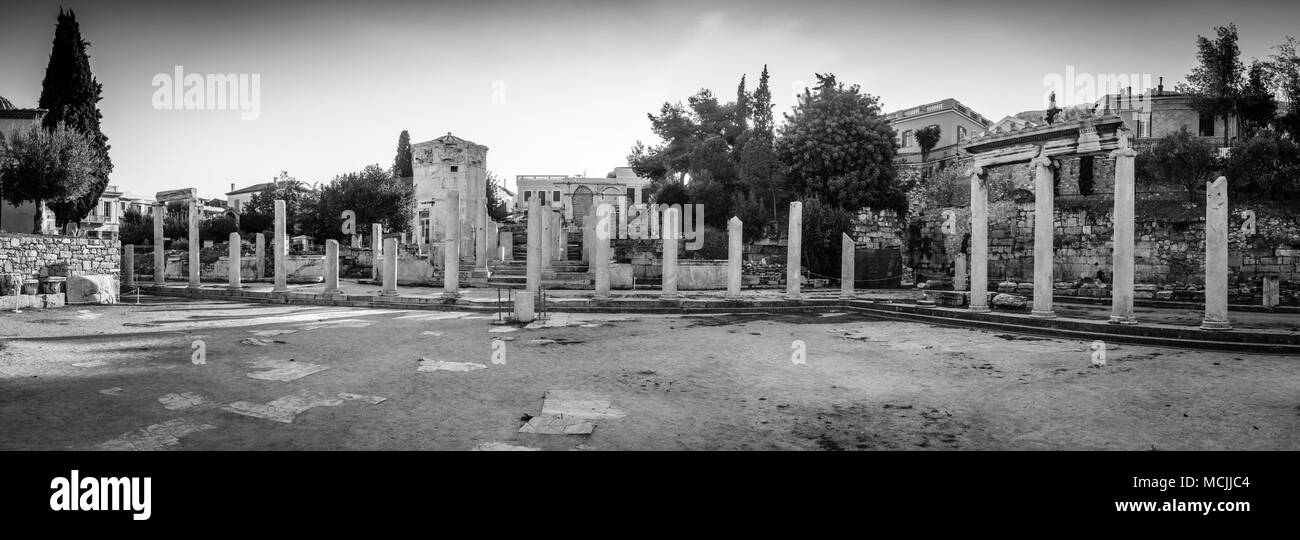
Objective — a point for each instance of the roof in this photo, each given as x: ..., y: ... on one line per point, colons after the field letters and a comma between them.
x: 937, y: 106
x: 258, y: 188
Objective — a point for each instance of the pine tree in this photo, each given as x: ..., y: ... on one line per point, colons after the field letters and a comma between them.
x: 70, y: 93
x: 402, y: 163
x: 761, y: 106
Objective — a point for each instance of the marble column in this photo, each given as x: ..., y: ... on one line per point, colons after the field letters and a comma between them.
x: 1121, y: 299
x: 332, y: 267
x: 588, y: 234
x: 159, y: 246
x: 848, y: 250
x: 233, y: 257
x: 480, y: 239
x: 128, y: 265
x: 376, y: 250
x: 453, y: 230
x: 493, y: 241
x: 671, y: 234
x: 195, y: 245
x: 959, y: 272
x: 451, y: 268
x: 259, y: 254
x: 561, y: 237
x: 506, y: 243
x: 1216, y: 256
x: 979, y: 240
x: 279, y: 247
x: 600, y: 237
x: 735, y: 252
x: 390, y: 268
x: 1044, y: 225
x: 794, y: 251
x: 546, y: 238
x: 534, y: 245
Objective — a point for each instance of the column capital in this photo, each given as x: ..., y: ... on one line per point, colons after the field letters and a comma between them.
x: 1123, y: 152
x: 974, y: 170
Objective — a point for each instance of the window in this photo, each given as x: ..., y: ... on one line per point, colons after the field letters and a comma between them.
x: 907, y: 138
x: 631, y: 195
x: 961, y: 132
x: 555, y: 195
x: 108, y: 209
x: 528, y: 195
x: 455, y: 168
x: 645, y: 197
x: 1207, y: 125
x: 1085, y: 175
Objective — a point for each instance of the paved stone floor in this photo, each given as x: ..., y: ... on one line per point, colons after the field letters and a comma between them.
x: 305, y: 377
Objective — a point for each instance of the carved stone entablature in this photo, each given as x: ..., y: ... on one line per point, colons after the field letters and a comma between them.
x: 1087, y: 136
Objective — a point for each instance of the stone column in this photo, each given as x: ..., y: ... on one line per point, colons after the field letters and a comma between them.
x: 589, y: 235
x: 793, y: 250
x: 1044, y: 224
x: 1271, y: 292
x: 128, y: 265
x: 672, y: 230
x: 546, y: 247
x: 159, y: 246
x: 234, y: 257
x: 506, y: 243
x: 260, y: 255
x: 279, y: 247
x: 390, y: 268
x: 561, y: 237
x: 453, y: 230
x: 195, y: 244
x: 1216, y: 255
x: 848, y: 249
x: 600, y: 236
x: 959, y: 272
x: 451, y: 270
x: 332, y: 267
x: 480, y: 239
x: 525, y: 308
x: 735, y: 251
x: 493, y: 241
x: 979, y: 241
x: 376, y: 250
x: 1121, y: 295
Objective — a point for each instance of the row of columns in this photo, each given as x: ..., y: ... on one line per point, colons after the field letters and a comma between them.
x: 1216, y: 243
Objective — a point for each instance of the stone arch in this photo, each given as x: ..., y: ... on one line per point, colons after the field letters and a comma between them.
x: 582, y: 201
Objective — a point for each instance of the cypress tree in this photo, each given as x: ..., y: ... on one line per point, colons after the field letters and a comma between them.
x: 402, y: 163
x: 71, y: 95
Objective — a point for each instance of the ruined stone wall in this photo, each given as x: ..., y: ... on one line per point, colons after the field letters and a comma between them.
x: 32, y: 255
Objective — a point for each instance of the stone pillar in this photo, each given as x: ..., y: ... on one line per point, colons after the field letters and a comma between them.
x: 959, y: 272
x: 279, y: 248
x: 848, y: 250
x: 534, y: 246
x: 1216, y: 255
x: 451, y: 270
x: 1044, y: 224
x: 376, y: 250
x: 672, y: 231
x: 332, y: 267
x: 506, y: 243
x: 236, y: 251
x: 260, y: 254
x: 453, y: 230
x: 128, y: 265
x: 480, y: 239
x: 561, y: 237
x: 1121, y: 295
x: 979, y: 241
x: 735, y: 251
x: 493, y: 241
x: 390, y: 268
x: 600, y: 234
x: 793, y: 250
x: 546, y: 247
x: 195, y: 245
x: 589, y: 235
x: 159, y: 246
x: 1271, y: 292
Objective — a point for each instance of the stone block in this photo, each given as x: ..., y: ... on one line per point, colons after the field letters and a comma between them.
x: 92, y: 289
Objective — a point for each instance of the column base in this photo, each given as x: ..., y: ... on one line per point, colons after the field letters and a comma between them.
x: 279, y: 289
x: 193, y: 286
x: 793, y: 296
x: 334, y: 292
x: 1215, y: 325
x: 388, y: 293
x: 1116, y: 319
x: 600, y: 296
x: 848, y: 296
x: 235, y: 287
x: 1048, y: 314
x: 672, y: 296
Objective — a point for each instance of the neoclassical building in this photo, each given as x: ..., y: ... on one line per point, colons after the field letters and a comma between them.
x: 576, y: 195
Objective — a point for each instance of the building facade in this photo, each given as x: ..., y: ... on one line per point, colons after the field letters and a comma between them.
x: 449, y: 163
x: 955, y: 121
x: 574, y: 196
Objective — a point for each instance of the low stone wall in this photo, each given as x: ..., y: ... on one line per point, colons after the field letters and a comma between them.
x: 34, y: 255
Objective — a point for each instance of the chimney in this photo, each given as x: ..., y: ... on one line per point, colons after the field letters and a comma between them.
x: 1160, y: 89
x: 232, y: 186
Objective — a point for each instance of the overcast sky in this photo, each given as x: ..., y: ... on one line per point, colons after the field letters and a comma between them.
x: 562, y: 87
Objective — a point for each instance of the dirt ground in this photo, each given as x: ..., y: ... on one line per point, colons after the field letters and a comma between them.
x: 716, y: 382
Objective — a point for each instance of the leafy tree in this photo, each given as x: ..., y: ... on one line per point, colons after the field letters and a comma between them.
x: 372, y: 193
x: 705, y: 190
x: 673, y: 193
x: 258, y: 216
x: 496, y: 201
x: 1215, y: 84
x: 53, y: 166
x: 402, y: 167
x: 823, y: 225
x: 753, y: 215
x: 217, y: 228
x: 1257, y: 106
x: 761, y: 173
x: 927, y: 137
x: 71, y: 93
x: 1266, y: 165
x: 135, y: 228
x: 1180, y: 158
x: 1285, y: 68
x: 837, y: 147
